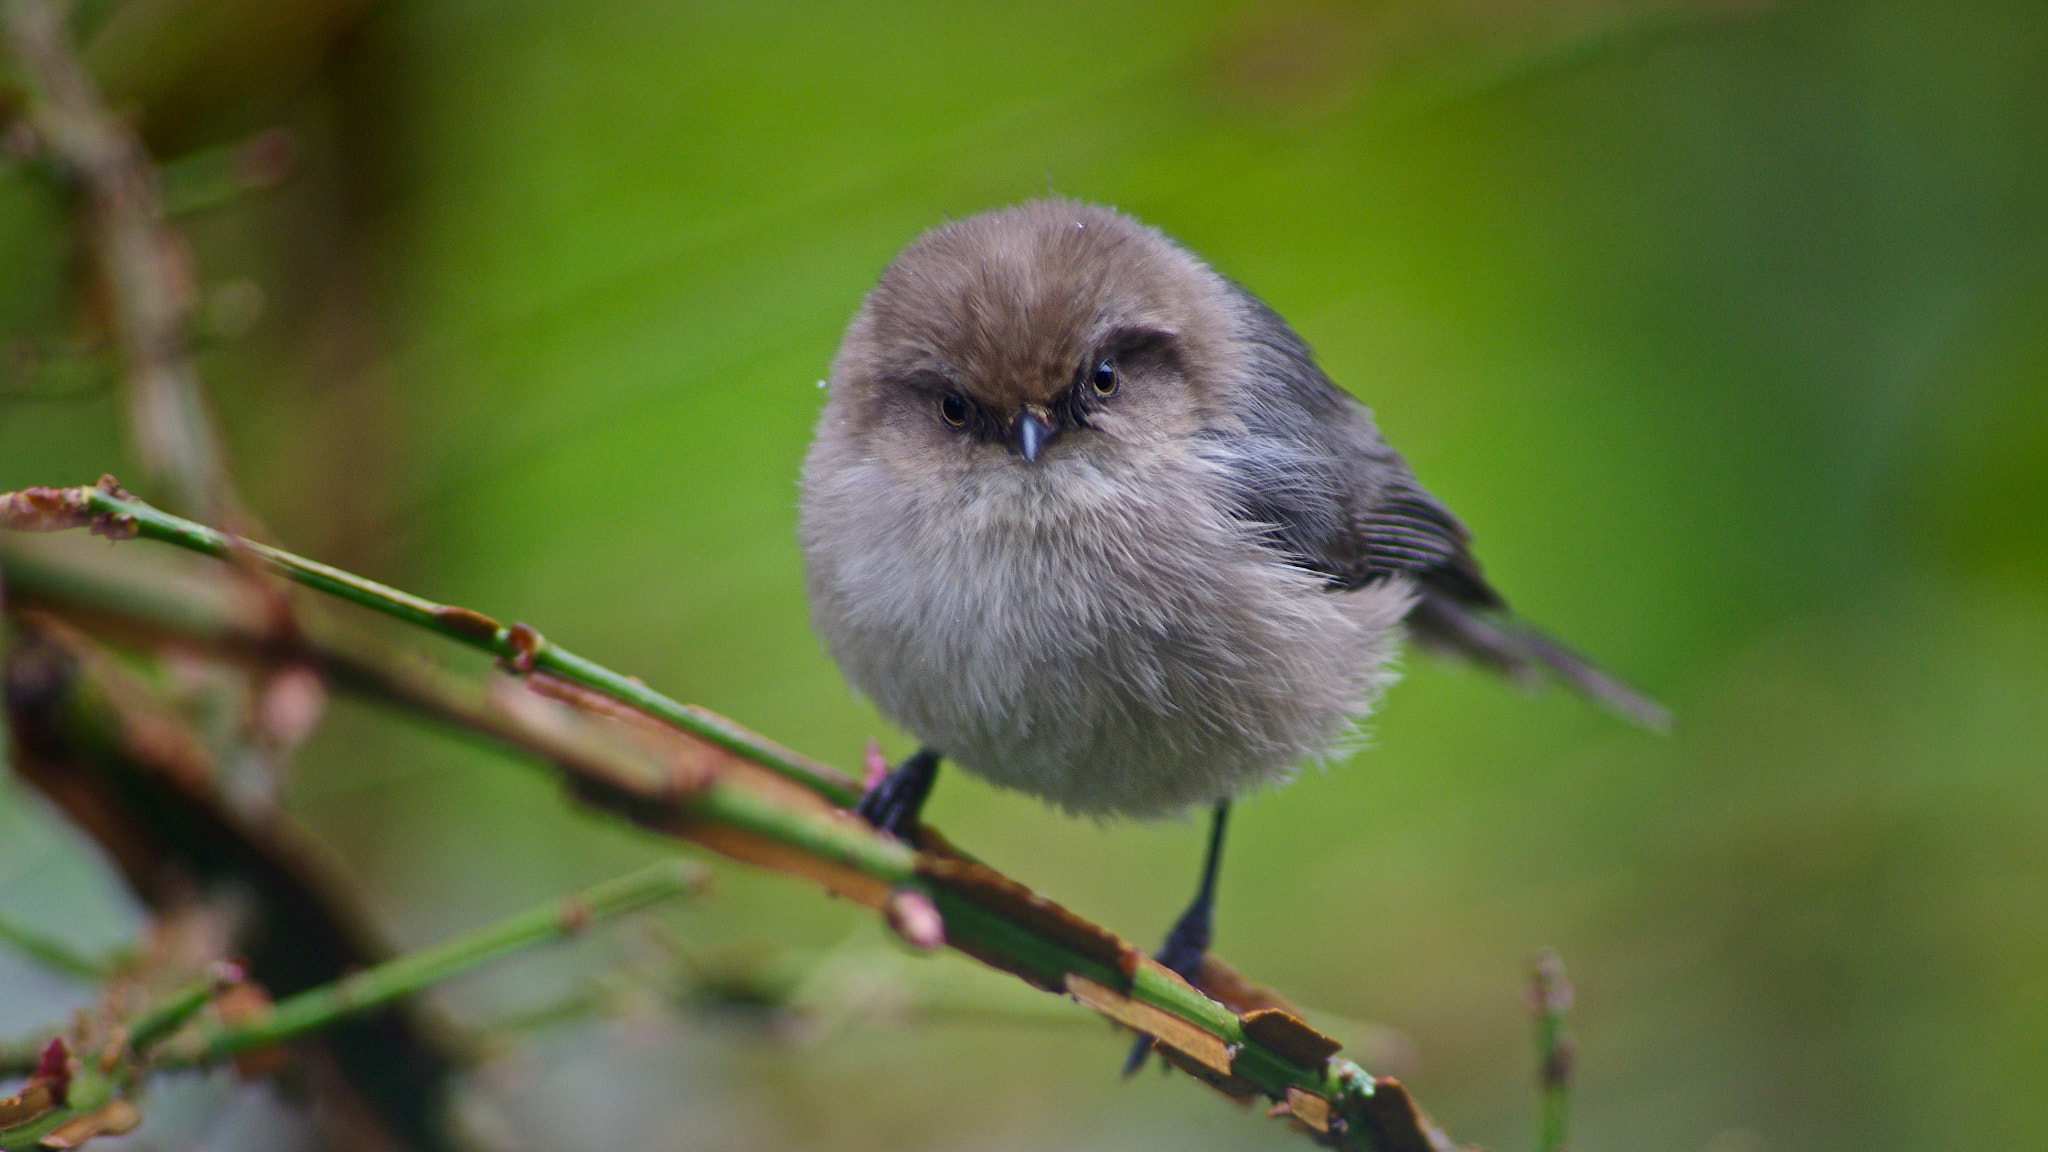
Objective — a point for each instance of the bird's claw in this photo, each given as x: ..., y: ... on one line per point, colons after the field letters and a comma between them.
x: 895, y: 804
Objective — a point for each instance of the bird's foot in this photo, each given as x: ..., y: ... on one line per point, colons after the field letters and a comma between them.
x: 896, y: 802
x: 1185, y: 948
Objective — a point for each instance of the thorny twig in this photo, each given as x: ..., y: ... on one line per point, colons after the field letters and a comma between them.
x: 1230, y: 1034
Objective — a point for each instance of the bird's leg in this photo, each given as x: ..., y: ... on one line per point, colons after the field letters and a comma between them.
x: 893, y: 805
x: 1188, y: 942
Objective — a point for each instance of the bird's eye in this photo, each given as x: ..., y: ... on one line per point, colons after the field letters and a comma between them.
x: 953, y: 409
x: 1105, y: 378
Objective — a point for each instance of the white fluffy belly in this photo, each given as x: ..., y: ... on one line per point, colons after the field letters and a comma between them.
x: 1106, y: 653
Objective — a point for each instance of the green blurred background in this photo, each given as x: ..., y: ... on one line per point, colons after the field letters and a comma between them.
x: 1723, y: 323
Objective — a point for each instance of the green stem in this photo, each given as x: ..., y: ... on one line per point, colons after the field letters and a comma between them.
x: 49, y: 953
x: 318, y: 1007
x: 1550, y: 997
x: 165, y: 1018
x: 521, y: 647
x: 1556, y: 1110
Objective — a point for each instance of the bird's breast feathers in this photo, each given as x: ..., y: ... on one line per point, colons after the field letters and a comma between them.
x: 1109, y: 638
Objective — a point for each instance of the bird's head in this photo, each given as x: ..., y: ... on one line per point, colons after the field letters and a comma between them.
x: 1052, y: 331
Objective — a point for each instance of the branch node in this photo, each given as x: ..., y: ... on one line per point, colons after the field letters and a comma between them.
x: 572, y: 916
x: 247, y: 1004
x: 526, y: 644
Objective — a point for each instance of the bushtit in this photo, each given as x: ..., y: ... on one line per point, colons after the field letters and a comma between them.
x: 1085, y: 518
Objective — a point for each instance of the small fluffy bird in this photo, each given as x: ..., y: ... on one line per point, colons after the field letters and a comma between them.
x: 1086, y: 519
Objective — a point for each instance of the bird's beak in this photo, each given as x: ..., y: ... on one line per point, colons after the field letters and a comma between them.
x: 1033, y: 432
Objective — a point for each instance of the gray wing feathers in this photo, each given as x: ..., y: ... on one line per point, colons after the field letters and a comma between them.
x: 1340, y: 502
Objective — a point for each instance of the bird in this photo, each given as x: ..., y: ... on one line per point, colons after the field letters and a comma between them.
x: 1085, y: 517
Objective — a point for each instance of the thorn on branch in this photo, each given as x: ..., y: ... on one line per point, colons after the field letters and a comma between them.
x: 526, y: 645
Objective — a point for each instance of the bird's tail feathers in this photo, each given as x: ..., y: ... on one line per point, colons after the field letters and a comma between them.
x: 1497, y: 640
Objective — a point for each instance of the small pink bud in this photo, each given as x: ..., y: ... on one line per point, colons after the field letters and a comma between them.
x: 54, y: 1069
x: 912, y: 915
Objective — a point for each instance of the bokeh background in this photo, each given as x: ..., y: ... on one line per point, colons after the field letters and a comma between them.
x: 1723, y: 323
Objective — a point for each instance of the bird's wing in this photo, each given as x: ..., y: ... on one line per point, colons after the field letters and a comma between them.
x: 1340, y: 502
